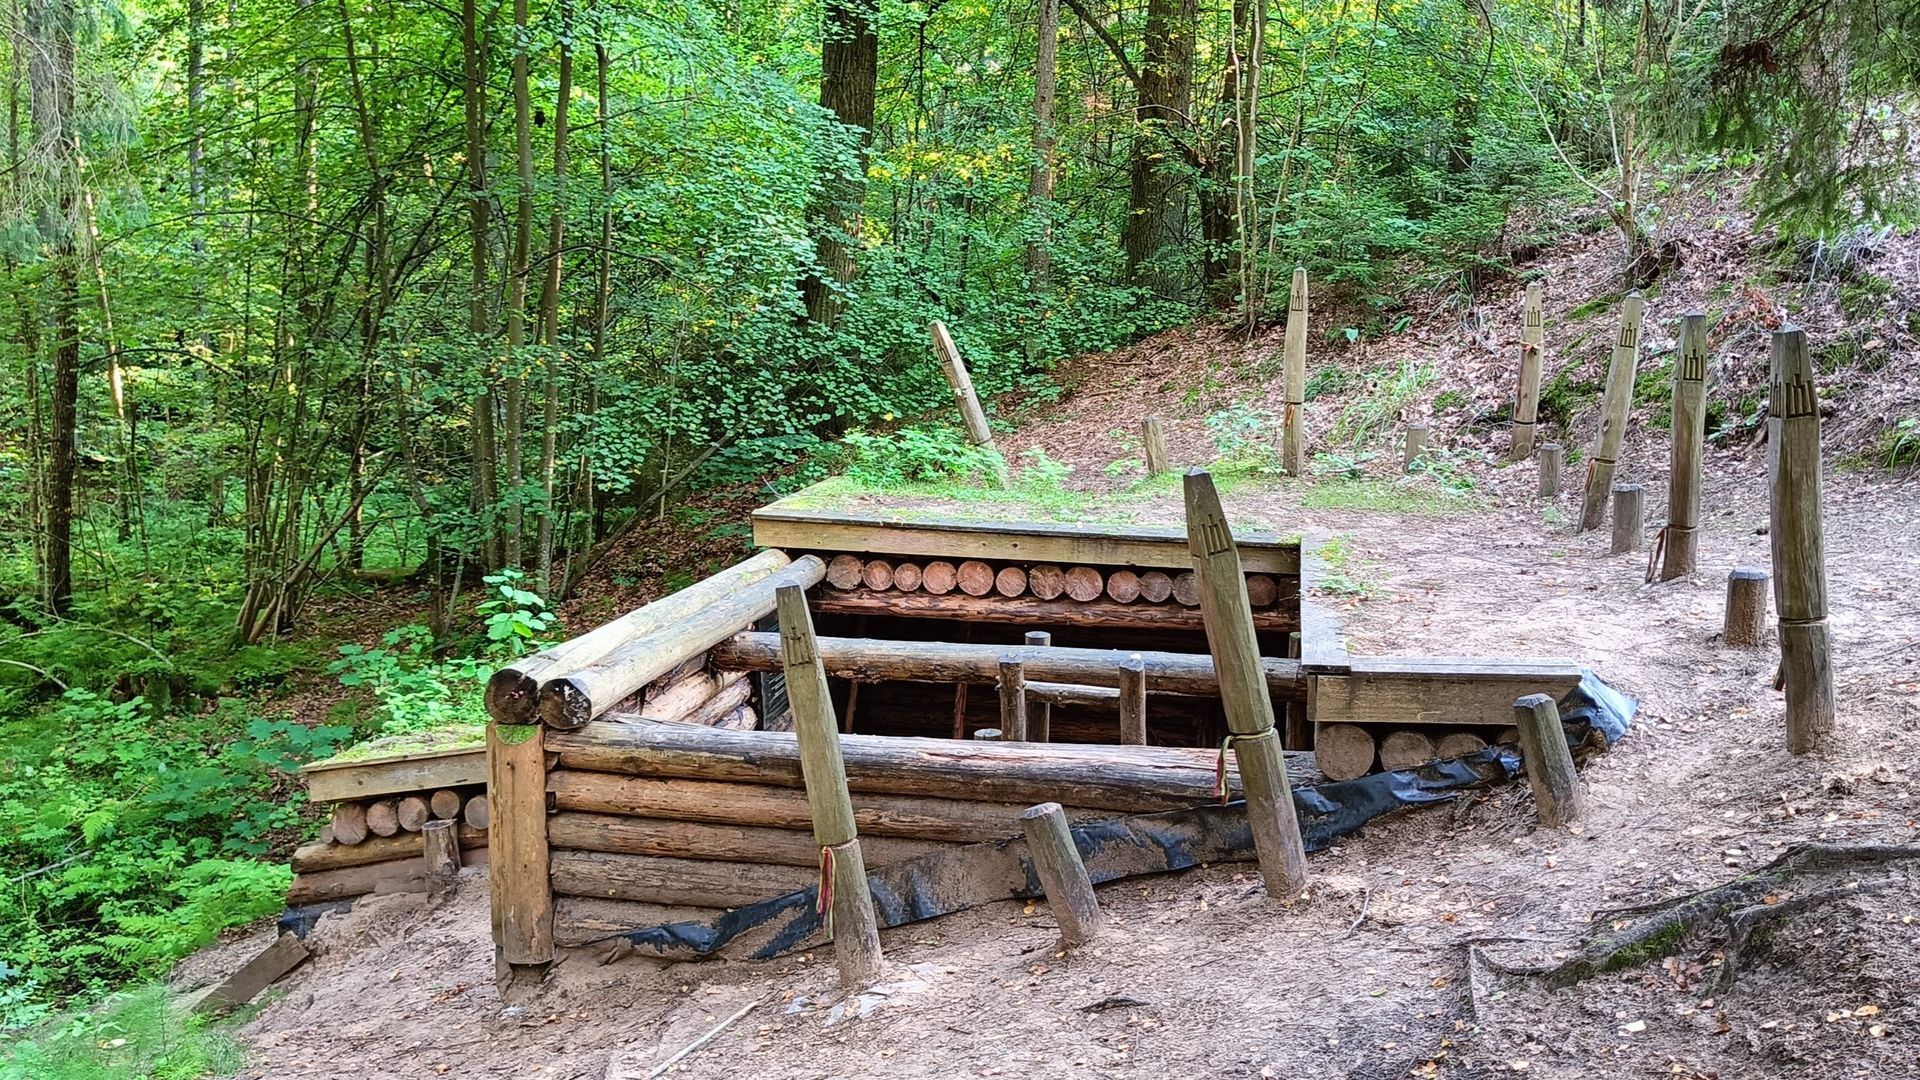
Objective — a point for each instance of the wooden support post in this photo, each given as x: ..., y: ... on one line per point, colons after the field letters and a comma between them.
x: 1243, y: 688
x: 1551, y: 459
x: 1056, y: 862
x: 988, y: 734
x: 1154, y: 438
x: 1039, y: 713
x: 1629, y: 517
x: 1133, y: 701
x: 1299, y: 730
x: 1013, y: 700
x: 1613, y: 415
x: 856, y: 936
x: 1745, y: 621
x: 963, y: 395
x: 1526, y: 404
x: 440, y: 840
x: 1799, y: 558
x: 1680, y: 542
x: 519, y: 883
x: 1543, y: 745
x: 1293, y: 438
x: 1413, y: 443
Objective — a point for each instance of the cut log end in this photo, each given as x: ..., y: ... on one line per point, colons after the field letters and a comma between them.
x: 939, y: 577
x: 1046, y: 581
x: 1406, y: 750
x: 1084, y: 583
x: 845, y: 571
x: 1343, y: 751
x: 976, y: 578
x: 1010, y: 581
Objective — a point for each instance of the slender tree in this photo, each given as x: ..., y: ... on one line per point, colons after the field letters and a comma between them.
x: 849, y: 71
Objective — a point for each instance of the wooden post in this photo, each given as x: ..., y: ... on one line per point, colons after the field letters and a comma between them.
x: 1799, y: 558
x: 1013, y: 700
x: 988, y: 734
x: 1039, y: 713
x: 1299, y: 730
x: 1412, y: 444
x: 1745, y: 621
x: 1613, y: 416
x: 1543, y: 744
x: 1526, y: 404
x: 1551, y: 458
x: 963, y: 395
x: 856, y: 937
x: 1056, y: 862
x: 1243, y: 688
x: 1629, y: 517
x: 1154, y: 438
x: 520, y: 887
x: 440, y: 840
x: 1293, y: 441
x: 1681, y: 542
x: 1133, y: 701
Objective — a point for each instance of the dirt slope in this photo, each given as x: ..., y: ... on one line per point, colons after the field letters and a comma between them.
x: 1201, y: 975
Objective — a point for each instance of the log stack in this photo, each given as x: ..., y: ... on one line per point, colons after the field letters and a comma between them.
x: 375, y: 845
x: 648, y: 817
x: 1051, y: 594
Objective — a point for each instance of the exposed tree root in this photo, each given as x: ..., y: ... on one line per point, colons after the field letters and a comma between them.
x: 1727, y: 914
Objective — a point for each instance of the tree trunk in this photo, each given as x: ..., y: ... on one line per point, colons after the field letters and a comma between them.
x: 1040, y: 183
x: 550, y: 302
x: 849, y: 69
x: 485, y: 499
x: 49, y: 37
x: 1161, y: 121
x: 1250, y: 32
x: 517, y: 280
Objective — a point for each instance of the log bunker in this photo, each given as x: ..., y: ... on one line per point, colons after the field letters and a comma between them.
x: 646, y: 773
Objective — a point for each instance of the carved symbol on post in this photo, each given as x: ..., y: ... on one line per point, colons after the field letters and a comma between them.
x: 1693, y: 362
x: 1533, y: 320
x: 1629, y: 336
x: 798, y: 646
x: 1794, y: 397
x: 1215, y: 539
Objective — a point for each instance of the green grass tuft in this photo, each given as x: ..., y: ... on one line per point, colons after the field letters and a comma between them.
x: 1391, y: 496
x: 142, y: 1034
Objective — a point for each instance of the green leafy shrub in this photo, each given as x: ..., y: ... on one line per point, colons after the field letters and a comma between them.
x: 1246, y: 437
x: 918, y: 455
x: 515, y: 618
x: 412, y: 690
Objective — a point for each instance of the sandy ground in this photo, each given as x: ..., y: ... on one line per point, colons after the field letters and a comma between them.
x: 1200, y: 975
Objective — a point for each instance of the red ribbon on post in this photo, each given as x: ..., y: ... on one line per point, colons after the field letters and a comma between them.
x: 1220, y: 768
x: 823, y: 906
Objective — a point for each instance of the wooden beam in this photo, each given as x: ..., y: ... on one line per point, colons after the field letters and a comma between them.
x: 795, y: 525
x: 1134, y: 779
x: 1795, y: 533
x: 1680, y: 543
x: 877, y: 660
x: 520, y: 898
x: 1616, y: 407
x: 1063, y: 876
x: 331, y: 781
x: 1441, y: 690
x: 733, y: 842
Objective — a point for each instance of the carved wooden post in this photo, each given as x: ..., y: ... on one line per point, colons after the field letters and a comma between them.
x: 440, y: 843
x: 1293, y: 441
x: 847, y: 904
x: 963, y: 395
x: 1629, y: 517
x: 1133, y: 701
x: 1243, y: 691
x: 1799, y: 559
x: 1681, y: 543
x: 1154, y: 438
x: 1013, y: 700
x: 1062, y: 874
x: 1550, y: 773
x: 1039, y: 713
x: 1526, y: 405
x: 520, y: 885
x: 1551, y: 458
x: 1613, y: 416
x: 1414, y: 444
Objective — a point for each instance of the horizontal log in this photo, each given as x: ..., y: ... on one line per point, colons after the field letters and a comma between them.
x: 674, y: 882
x: 1456, y: 691
x: 876, y: 660
x: 310, y: 858
x: 907, y: 816
x: 583, y: 920
x: 627, y: 835
x: 513, y: 692
x: 362, y: 778
x: 400, y: 875
x: 1032, y: 611
x: 1132, y: 779
x: 735, y: 690
x: 573, y: 699
x: 1056, y: 693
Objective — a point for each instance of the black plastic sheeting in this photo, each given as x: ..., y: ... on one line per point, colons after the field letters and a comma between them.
x: 1594, y: 714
